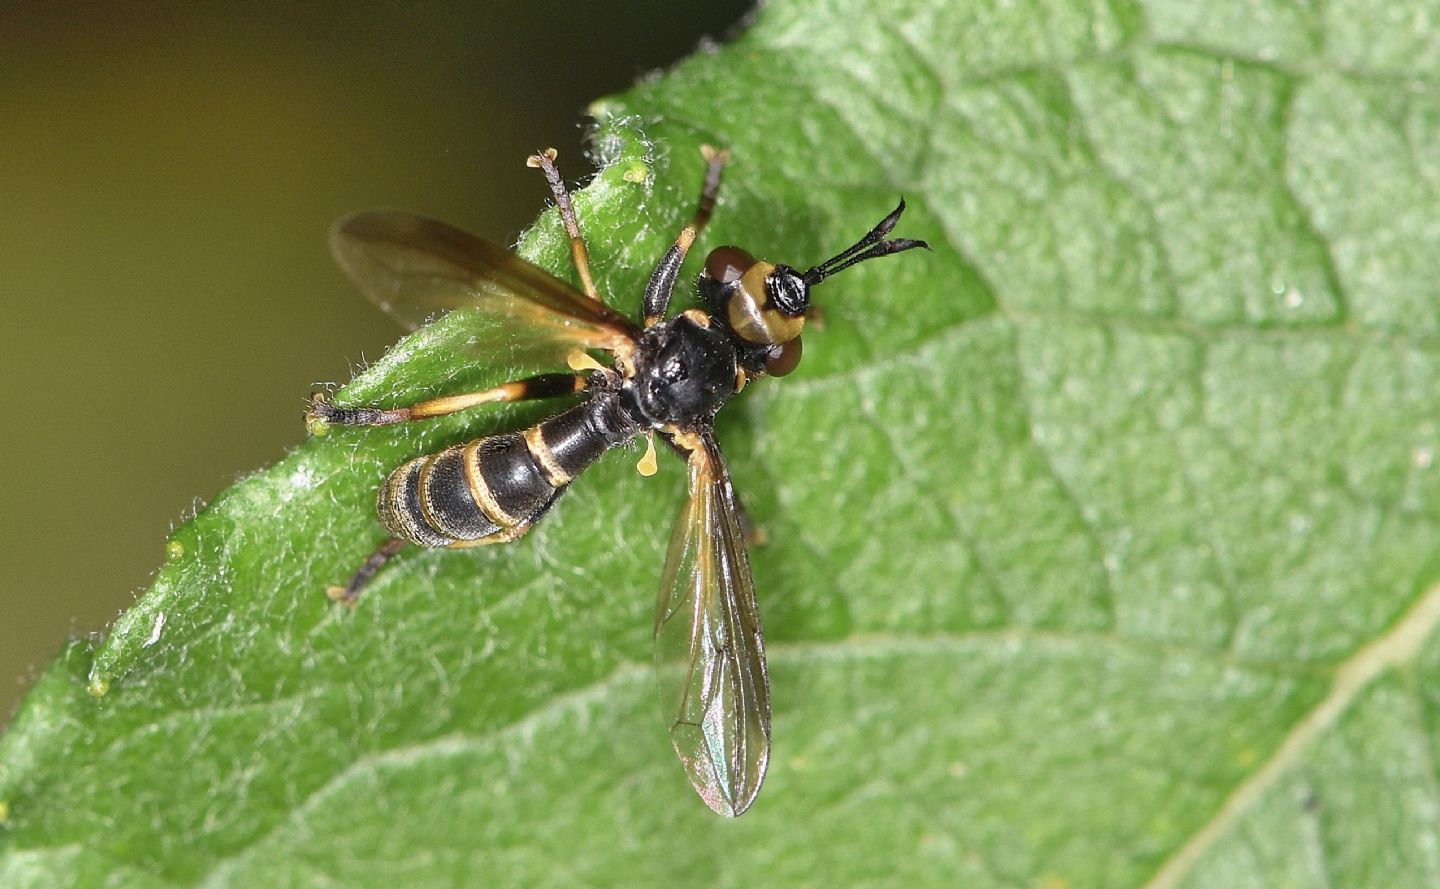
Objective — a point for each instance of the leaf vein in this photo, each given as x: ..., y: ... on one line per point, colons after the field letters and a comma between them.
x: 1396, y: 647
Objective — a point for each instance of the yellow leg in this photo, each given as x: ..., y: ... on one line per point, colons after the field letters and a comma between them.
x: 545, y: 161
x: 322, y: 413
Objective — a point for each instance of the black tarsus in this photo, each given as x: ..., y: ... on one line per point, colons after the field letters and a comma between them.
x: 322, y: 409
x: 351, y: 591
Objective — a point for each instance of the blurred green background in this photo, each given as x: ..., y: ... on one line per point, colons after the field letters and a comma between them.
x: 167, y: 177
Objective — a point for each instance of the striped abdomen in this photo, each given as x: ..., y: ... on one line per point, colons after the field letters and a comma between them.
x: 492, y: 489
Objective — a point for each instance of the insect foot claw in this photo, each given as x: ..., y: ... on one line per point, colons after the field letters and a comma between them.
x: 535, y: 160
x: 340, y: 594
x: 319, y: 414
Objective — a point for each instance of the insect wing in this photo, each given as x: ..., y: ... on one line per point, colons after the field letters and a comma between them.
x: 709, y: 656
x: 414, y: 268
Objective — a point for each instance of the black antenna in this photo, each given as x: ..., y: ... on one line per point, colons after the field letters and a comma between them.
x: 872, y: 245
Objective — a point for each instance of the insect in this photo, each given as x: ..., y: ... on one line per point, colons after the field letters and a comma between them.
x: 666, y: 377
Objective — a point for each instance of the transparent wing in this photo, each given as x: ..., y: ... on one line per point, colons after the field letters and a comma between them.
x: 709, y: 657
x: 415, y: 268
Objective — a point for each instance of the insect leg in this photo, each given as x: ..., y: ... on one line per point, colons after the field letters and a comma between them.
x: 351, y: 591
x: 545, y: 161
x: 662, y: 279
x: 552, y: 385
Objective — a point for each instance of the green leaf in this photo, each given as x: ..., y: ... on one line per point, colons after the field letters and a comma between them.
x: 1101, y: 539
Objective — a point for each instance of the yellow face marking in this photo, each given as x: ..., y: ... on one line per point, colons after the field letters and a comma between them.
x: 783, y: 327
x: 480, y: 489
x: 740, y: 379
x: 761, y: 324
x: 751, y: 314
x: 648, y: 465
x: 555, y: 474
x: 745, y: 316
x: 697, y: 317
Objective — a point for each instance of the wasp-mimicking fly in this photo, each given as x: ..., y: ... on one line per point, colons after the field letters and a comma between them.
x: 666, y: 377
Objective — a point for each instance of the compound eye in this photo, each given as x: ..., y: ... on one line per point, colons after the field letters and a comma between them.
x: 727, y: 264
x: 784, y: 358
